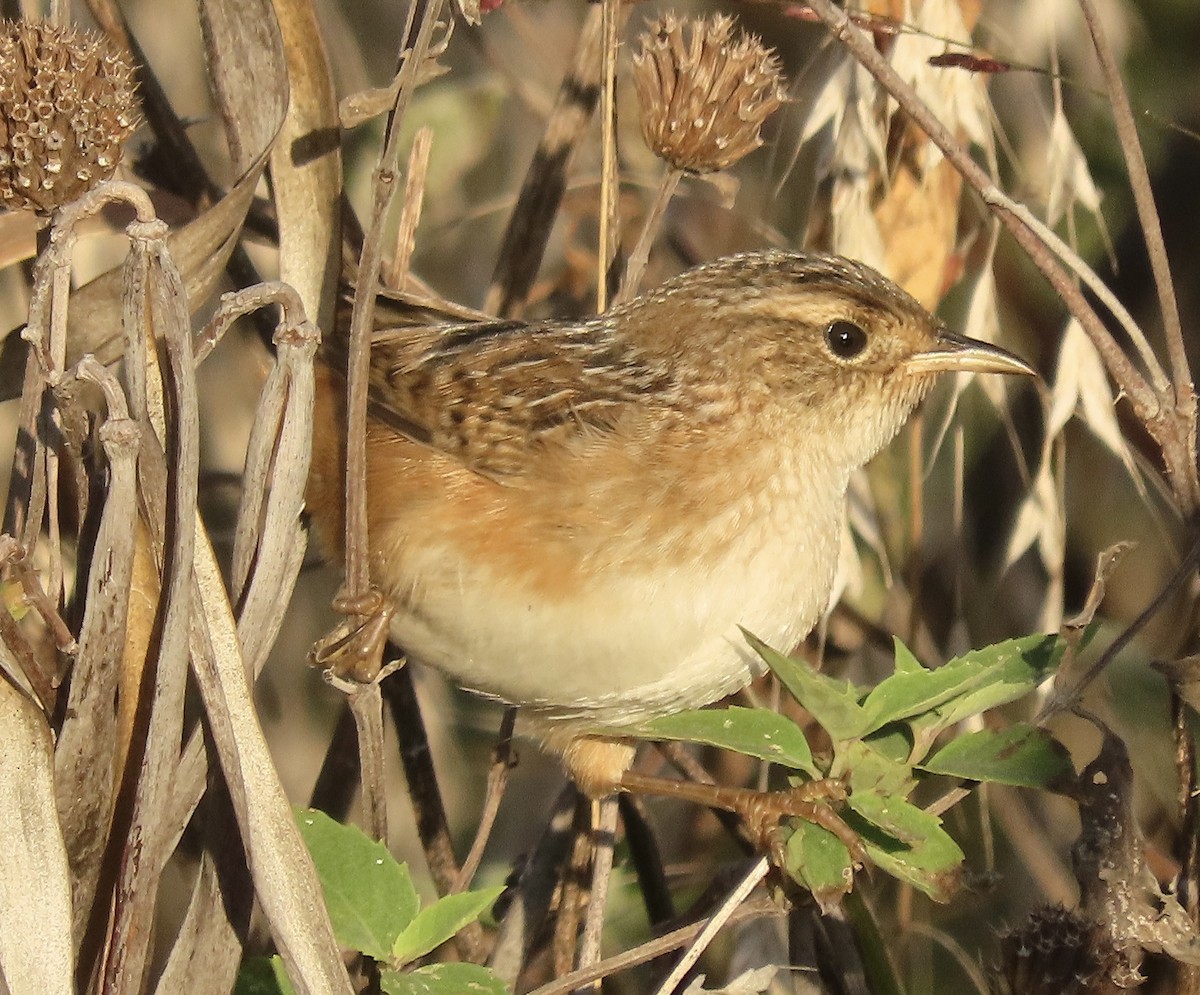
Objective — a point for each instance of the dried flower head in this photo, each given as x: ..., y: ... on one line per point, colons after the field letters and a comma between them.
x: 1058, y: 952
x: 66, y: 107
x: 705, y: 91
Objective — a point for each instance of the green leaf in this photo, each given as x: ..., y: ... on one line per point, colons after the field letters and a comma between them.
x: 1021, y: 755
x: 434, y: 925
x: 820, y: 861
x: 263, y: 976
x: 932, y: 863
x: 370, y: 896
x: 442, y: 979
x: 1011, y: 668
x: 869, y: 770
x: 906, y: 663
x: 756, y: 732
x: 910, y: 692
x: 834, y: 704
x: 891, y: 813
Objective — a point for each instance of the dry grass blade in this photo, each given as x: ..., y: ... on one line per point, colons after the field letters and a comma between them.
x: 269, y: 544
x: 716, y: 922
x: 35, y: 888
x: 306, y: 166
x: 284, y: 877
x: 524, y: 241
x: 155, y: 303
x: 85, y: 766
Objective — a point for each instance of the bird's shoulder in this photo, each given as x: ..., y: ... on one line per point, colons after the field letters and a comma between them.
x: 493, y: 395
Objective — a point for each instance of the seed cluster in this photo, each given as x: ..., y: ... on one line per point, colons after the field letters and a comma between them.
x: 705, y: 91
x: 67, y: 105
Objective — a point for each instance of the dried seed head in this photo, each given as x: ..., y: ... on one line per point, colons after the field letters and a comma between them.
x: 66, y: 107
x: 704, y: 91
x: 1058, y: 952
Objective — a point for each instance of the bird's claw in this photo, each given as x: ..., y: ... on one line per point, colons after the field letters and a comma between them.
x: 811, y: 801
x: 353, y: 650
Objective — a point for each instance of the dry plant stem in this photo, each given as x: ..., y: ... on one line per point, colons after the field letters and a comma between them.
x: 269, y: 542
x: 17, y: 645
x: 1068, y: 698
x: 366, y: 705
x: 545, y: 182
x: 715, y: 923
x: 640, y: 255
x: 1143, y: 198
x: 1189, y: 805
x: 609, y: 233
x: 155, y: 302
x: 604, y: 837
x: 84, y: 773
x: 652, y: 949
x: 573, y: 893
x: 358, y: 579
x: 496, y: 783
x: 37, y: 598
x: 1172, y: 428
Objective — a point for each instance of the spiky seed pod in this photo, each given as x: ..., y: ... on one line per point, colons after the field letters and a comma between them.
x: 67, y: 105
x: 704, y: 90
x: 1058, y: 952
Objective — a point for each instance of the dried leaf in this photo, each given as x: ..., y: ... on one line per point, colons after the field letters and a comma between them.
x: 35, y: 892
x: 1081, y: 384
x: 306, y: 166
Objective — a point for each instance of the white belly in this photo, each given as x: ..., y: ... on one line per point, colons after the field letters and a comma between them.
x: 634, y: 643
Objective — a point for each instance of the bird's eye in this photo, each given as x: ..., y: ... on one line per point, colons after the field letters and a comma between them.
x: 846, y: 339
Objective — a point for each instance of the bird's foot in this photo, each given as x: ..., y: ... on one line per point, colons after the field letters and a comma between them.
x: 812, y: 801
x: 353, y: 650
x: 764, y: 811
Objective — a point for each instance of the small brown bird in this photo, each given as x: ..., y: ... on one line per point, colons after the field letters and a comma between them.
x: 577, y: 517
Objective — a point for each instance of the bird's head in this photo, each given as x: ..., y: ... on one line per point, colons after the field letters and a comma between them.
x: 826, y: 343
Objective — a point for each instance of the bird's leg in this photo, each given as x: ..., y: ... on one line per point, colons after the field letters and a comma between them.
x: 600, y: 765
x: 762, y: 811
x: 354, y: 648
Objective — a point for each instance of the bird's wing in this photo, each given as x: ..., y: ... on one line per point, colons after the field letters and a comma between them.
x: 493, y: 394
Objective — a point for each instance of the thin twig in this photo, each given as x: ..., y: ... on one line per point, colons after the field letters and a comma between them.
x: 1068, y: 697
x: 358, y: 577
x: 609, y: 234
x: 496, y: 783
x: 1143, y: 199
x: 396, y: 272
x: 603, y: 838
x: 651, y: 949
x: 640, y: 255
x: 714, y: 925
x: 1161, y: 420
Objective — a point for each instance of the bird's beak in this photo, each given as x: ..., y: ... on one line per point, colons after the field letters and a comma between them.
x: 955, y: 353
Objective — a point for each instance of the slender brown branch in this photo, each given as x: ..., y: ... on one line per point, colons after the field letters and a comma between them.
x: 1145, y: 400
x: 651, y: 949
x: 1143, y: 198
x: 496, y: 783
x: 1067, y: 697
